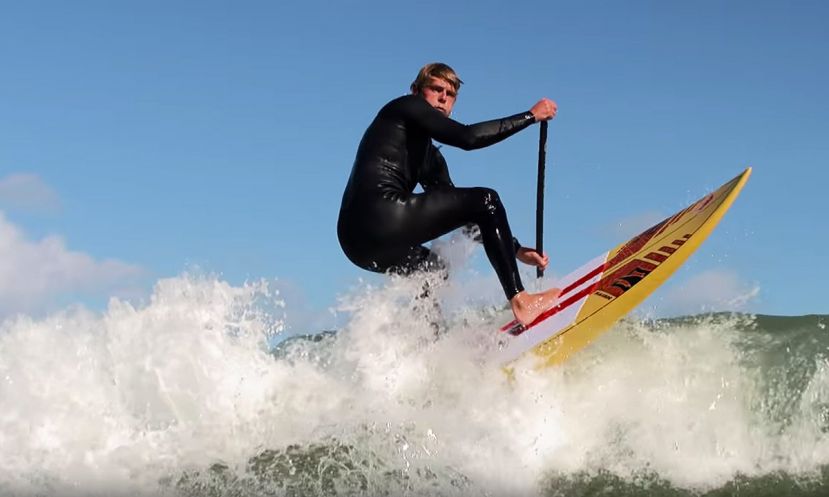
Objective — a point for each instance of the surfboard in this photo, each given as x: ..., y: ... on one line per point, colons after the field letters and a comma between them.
x: 606, y: 288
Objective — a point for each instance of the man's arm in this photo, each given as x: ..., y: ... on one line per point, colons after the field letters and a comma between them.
x: 451, y: 132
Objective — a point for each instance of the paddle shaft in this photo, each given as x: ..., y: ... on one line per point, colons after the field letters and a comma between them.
x: 539, y: 205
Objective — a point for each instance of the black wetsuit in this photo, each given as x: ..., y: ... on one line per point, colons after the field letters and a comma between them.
x: 383, y: 224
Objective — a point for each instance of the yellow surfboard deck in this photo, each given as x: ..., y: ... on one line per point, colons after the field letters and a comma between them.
x: 608, y: 287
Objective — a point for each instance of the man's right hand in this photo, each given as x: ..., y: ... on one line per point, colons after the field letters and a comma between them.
x: 544, y: 110
x: 531, y: 257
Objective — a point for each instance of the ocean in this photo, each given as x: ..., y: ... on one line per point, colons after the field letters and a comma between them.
x: 202, y: 390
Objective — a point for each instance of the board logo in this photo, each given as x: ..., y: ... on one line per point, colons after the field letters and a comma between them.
x: 623, y: 279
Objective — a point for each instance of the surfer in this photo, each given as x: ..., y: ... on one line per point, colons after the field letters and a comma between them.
x: 383, y: 223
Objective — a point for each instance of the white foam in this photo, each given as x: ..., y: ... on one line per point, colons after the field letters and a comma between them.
x: 124, y: 398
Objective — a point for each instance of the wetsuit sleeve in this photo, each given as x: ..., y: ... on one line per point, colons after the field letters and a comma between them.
x: 451, y: 132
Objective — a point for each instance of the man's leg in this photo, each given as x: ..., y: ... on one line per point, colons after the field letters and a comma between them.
x: 432, y: 214
x: 439, y: 211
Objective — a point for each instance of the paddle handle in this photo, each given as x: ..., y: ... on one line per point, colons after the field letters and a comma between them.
x: 539, y: 204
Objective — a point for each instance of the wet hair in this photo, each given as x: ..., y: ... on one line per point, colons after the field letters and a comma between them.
x: 437, y: 70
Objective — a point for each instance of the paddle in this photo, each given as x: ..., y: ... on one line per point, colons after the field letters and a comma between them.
x: 539, y: 205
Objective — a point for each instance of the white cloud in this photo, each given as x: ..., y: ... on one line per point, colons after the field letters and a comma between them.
x: 34, y: 275
x: 709, y: 291
x: 27, y: 192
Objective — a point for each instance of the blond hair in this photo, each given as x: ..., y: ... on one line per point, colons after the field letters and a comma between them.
x: 437, y: 70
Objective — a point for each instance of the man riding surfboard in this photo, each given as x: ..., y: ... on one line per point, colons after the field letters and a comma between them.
x: 383, y: 224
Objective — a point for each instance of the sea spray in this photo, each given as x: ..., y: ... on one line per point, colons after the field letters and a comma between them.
x: 111, y: 401
x: 194, y: 393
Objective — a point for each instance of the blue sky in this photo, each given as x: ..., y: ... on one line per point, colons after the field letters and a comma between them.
x: 140, y: 139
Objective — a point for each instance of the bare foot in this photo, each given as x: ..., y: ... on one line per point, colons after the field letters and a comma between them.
x: 528, y: 306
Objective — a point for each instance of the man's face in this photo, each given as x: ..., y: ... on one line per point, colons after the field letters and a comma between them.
x: 440, y: 95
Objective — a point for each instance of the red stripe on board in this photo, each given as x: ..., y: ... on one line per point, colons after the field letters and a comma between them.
x: 562, y: 305
x: 667, y: 249
x: 579, y: 282
x: 565, y: 291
